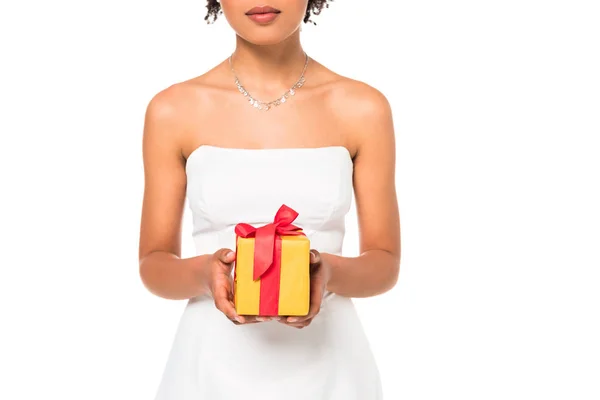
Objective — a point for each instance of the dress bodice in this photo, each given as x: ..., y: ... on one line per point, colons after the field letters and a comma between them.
x: 226, y: 186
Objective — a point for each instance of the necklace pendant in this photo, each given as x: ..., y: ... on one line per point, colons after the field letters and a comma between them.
x: 266, y: 106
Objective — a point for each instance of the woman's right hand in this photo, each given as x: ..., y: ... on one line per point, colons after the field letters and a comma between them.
x: 220, y: 284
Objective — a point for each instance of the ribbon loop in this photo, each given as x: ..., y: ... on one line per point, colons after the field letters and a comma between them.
x: 265, y: 236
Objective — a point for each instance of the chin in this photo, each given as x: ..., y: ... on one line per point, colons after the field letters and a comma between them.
x: 266, y: 36
x: 263, y: 40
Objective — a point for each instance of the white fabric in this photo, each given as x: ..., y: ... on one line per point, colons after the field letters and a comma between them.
x: 212, y: 358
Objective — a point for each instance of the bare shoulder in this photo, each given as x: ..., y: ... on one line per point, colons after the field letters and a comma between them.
x: 363, y: 111
x: 174, y: 101
x: 175, y: 110
x: 350, y: 98
x: 356, y: 99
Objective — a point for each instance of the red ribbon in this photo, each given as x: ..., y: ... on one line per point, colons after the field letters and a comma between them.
x: 267, y: 255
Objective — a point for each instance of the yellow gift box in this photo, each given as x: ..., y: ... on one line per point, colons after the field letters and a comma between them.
x: 272, y: 268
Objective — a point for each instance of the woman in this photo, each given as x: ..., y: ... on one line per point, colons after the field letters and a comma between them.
x: 265, y: 127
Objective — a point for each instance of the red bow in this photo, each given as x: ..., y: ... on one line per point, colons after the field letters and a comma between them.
x: 265, y: 236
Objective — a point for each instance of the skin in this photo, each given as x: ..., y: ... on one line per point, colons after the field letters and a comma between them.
x: 329, y: 110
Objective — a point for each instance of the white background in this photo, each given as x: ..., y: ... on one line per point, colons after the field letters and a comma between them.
x: 496, y: 107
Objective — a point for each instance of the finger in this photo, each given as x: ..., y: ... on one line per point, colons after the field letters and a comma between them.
x: 226, y: 256
x: 315, y: 256
x: 246, y: 322
x: 257, y: 318
x: 302, y: 324
x: 225, y: 305
x: 227, y: 308
x: 251, y: 319
x: 316, y: 299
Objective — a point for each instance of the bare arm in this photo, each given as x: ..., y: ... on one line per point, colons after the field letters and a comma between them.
x: 161, y: 269
x: 377, y: 267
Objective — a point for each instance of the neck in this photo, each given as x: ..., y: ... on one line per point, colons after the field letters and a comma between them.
x: 269, y: 69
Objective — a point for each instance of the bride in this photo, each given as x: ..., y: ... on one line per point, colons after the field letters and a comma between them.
x: 268, y: 126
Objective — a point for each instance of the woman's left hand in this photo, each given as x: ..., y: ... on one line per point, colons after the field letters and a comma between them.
x: 320, y: 272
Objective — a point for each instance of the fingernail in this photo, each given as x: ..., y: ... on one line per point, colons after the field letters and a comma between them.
x: 239, y: 319
x: 261, y: 319
x: 293, y: 319
x: 229, y: 254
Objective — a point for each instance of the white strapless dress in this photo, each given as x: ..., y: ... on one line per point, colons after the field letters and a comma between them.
x: 213, y: 359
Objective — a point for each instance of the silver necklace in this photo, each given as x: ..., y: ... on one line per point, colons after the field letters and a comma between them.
x: 266, y: 106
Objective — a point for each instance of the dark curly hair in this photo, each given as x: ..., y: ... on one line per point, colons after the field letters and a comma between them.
x: 314, y: 8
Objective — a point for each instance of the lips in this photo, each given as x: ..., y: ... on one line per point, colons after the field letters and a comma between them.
x: 263, y: 10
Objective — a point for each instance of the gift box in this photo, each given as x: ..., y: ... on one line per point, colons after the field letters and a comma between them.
x: 272, y: 267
